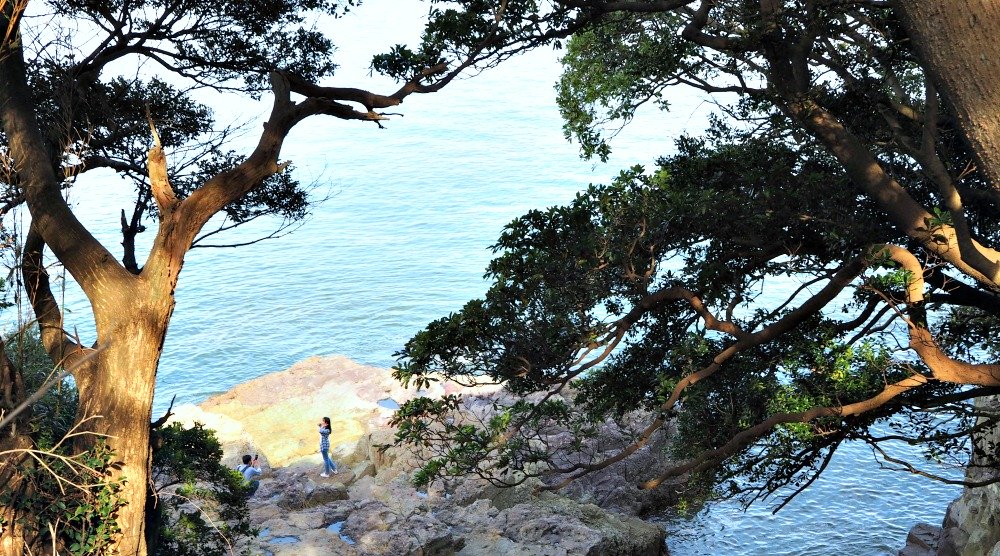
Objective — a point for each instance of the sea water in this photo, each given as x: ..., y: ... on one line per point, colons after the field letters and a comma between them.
x: 403, y: 238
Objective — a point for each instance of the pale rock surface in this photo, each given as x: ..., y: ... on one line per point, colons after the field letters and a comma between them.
x: 971, y: 525
x: 370, y: 508
x: 277, y: 415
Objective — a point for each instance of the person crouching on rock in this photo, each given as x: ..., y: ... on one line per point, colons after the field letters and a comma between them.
x: 250, y: 472
x: 324, y: 448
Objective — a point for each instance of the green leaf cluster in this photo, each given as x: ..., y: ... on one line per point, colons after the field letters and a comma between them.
x: 201, y: 506
x: 66, y: 500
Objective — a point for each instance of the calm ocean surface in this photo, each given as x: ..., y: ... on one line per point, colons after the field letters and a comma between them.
x: 404, y: 239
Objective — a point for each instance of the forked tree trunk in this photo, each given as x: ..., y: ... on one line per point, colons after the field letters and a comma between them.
x: 132, y: 311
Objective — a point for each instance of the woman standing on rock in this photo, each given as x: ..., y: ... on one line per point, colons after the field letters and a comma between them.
x: 324, y: 447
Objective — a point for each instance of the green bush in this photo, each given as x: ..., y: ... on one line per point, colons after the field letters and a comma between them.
x: 53, y: 415
x: 200, y: 506
x: 66, y: 501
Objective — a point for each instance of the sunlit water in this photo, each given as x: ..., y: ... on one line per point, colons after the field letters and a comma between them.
x: 404, y: 239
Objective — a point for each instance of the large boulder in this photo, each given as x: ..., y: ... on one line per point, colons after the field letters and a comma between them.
x: 548, y: 524
x: 971, y: 525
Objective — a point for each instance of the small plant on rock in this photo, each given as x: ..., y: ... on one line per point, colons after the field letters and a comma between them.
x: 199, y: 506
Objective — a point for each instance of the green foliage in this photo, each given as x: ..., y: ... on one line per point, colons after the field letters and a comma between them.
x: 201, y: 506
x: 53, y: 415
x: 95, y: 117
x: 69, y: 495
x: 565, y: 275
x: 714, y: 220
x: 967, y: 331
x: 697, y: 281
x: 465, y: 30
x: 219, y: 44
x: 612, y: 69
x: 456, y: 444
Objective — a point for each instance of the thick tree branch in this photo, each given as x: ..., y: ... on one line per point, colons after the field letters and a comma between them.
x: 813, y: 305
x: 159, y: 184
x: 836, y: 284
x: 47, y: 312
x: 905, y: 212
x: 371, y: 101
x: 604, y: 6
x: 82, y: 255
x: 694, y: 31
x: 747, y: 437
x: 203, y: 203
x: 942, y: 367
x: 960, y: 293
x: 858, y: 160
x: 97, y: 161
x: 952, y: 200
x: 192, y: 213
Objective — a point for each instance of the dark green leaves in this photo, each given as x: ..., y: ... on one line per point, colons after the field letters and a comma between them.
x: 612, y: 69
x: 202, y: 505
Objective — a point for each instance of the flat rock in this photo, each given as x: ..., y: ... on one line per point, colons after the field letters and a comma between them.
x: 370, y: 508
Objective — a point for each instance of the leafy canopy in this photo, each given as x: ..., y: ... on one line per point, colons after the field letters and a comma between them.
x: 784, y: 284
x: 97, y: 115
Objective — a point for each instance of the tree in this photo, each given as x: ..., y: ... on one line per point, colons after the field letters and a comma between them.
x: 839, y: 164
x: 66, y: 111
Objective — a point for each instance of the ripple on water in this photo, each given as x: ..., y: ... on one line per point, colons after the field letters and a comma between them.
x: 855, y: 508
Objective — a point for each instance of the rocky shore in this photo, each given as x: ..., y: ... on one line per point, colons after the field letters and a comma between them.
x: 971, y: 525
x: 370, y: 508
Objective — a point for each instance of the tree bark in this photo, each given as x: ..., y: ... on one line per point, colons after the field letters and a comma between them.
x: 116, y: 387
x: 959, y: 48
x: 132, y: 307
x: 120, y: 395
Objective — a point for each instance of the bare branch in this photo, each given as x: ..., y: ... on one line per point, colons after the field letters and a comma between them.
x: 166, y: 199
x: 166, y: 416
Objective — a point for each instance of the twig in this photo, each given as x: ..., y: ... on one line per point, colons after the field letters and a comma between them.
x: 159, y: 422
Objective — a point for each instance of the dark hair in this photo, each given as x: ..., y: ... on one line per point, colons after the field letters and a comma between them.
x: 246, y: 459
x: 326, y: 420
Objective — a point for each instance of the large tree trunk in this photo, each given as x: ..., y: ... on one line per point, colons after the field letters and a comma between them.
x: 131, y: 312
x: 118, y: 394
x: 959, y: 49
x: 116, y: 380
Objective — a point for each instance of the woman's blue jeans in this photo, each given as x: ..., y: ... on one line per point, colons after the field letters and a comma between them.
x: 328, y: 465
